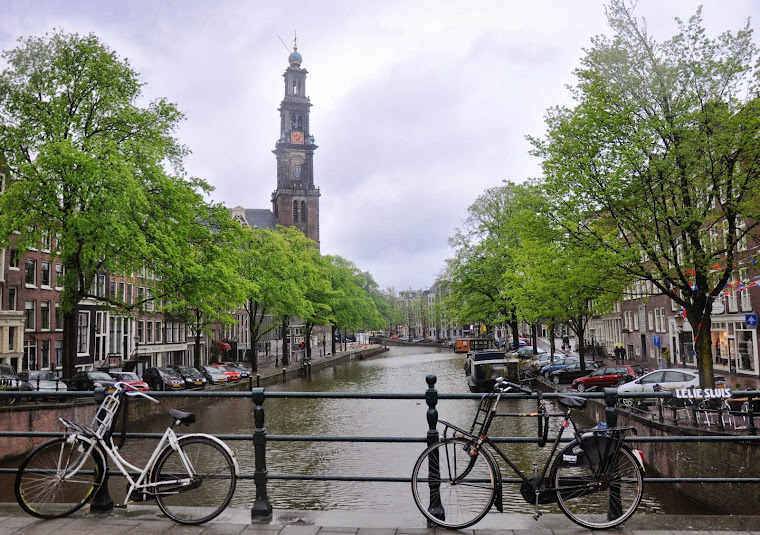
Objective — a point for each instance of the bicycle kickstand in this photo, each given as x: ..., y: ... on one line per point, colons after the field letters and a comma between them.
x: 537, y: 514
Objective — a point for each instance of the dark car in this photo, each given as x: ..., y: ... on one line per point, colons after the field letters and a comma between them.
x: 42, y: 381
x: 570, y: 372
x: 192, y: 377
x: 163, y: 379
x: 558, y: 364
x: 607, y: 376
x: 8, y: 378
x: 85, y: 381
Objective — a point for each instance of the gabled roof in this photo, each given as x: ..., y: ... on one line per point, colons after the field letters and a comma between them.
x: 254, y: 217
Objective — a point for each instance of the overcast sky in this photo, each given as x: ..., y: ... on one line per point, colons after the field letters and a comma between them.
x: 418, y: 106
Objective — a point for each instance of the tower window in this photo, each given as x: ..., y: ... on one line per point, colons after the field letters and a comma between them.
x: 303, y: 211
x: 295, y: 211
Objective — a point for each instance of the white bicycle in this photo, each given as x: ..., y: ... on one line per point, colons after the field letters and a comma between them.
x: 192, y: 477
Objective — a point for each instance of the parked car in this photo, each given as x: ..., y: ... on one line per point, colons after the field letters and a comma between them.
x: 84, y: 381
x: 192, y: 378
x: 608, y: 376
x: 163, y: 379
x: 567, y: 374
x: 42, y: 381
x: 667, y: 379
x: 238, y: 366
x: 558, y: 364
x: 213, y: 375
x: 233, y: 375
x: 526, y: 352
x: 131, y: 379
x: 8, y: 378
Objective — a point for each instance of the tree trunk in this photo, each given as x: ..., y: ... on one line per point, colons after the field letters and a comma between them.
x: 332, y: 342
x: 285, y: 355
x: 197, y: 352
x: 701, y: 325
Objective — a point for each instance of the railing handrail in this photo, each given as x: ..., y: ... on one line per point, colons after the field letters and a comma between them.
x: 260, y: 476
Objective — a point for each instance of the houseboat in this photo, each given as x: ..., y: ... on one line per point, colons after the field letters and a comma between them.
x: 481, y: 368
x: 465, y: 345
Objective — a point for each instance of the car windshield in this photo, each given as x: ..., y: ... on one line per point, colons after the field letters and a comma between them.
x: 100, y: 376
x: 42, y: 376
x: 126, y: 376
x: 170, y: 373
x: 190, y: 372
x: 212, y: 369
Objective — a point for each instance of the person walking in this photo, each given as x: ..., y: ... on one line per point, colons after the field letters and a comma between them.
x: 616, y: 351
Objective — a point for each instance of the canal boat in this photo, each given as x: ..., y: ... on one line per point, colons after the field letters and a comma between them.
x: 465, y: 345
x: 481, y: 368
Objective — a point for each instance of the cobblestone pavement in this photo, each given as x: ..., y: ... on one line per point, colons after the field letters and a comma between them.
x: 145, y: 519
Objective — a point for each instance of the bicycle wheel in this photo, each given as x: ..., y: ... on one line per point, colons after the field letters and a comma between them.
x: 451, y: 487
x: 58, y: 477
x: 597, y: 492
x: 196, y: 498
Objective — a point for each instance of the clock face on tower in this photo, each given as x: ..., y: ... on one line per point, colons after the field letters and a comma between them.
x: 296, y: 137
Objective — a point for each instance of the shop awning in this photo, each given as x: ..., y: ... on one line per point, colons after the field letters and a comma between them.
x: 224, y: 346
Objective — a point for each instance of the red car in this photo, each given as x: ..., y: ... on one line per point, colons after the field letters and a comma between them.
x: 233, y: 375
x: 131, y: 379
x: 607, y: 376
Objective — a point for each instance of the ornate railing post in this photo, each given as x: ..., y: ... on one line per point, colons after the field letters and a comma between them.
x: 261, y: 505
x: 431, y: 398
x: 610, y: 412
x: 102, y: 500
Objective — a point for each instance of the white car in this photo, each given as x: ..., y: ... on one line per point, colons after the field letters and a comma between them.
x: 667, y: 379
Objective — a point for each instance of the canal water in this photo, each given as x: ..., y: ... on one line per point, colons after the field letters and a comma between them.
x: 402, y: 369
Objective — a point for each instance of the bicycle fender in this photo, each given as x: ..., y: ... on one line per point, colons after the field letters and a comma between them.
x: 218, y: 441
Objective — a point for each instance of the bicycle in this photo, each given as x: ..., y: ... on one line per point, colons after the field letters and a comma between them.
x: 596, y: 480
x: 183, y: 473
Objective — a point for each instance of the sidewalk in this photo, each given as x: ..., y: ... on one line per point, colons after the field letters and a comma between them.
x: 147, y: 519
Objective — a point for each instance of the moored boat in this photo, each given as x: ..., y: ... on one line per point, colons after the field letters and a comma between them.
x: 483, y: 367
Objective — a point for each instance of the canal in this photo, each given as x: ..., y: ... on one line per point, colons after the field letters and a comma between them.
x: 402, y: 369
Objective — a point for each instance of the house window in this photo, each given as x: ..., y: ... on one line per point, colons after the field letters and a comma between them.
x: 12, y: 339
x: 149, y: 332
x: 45, y: 274
x: 45, y: 315
x: 650, y: 320
x: 130, y: 294
x: 59, y: 275
x: 158, y: 332
x: 12, y: 298
x: 83, y: 332
x: 58, y: 353
x: 295, y: 211
x: 141, y: 331
x: 101, y: 285
x: 744, y: 291
x: 13, y: 259
x: 30, y: 272
x: 303, y: 211
x: 29, y: 324
x: 121, y: 295
x: 45, y: 241
x: 45, y: 354
x: 58, y: 317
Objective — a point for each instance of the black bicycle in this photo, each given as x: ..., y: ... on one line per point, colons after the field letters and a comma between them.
x: 596, y: 480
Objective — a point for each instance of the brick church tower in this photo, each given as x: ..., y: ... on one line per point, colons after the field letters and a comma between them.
x: 295, y: 202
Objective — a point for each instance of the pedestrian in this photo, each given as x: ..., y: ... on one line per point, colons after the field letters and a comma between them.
x: 622, y: 354
x: 616, y: 351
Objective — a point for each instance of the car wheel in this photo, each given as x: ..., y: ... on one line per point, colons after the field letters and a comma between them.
x: 555, y: 379
x: 581, y: 387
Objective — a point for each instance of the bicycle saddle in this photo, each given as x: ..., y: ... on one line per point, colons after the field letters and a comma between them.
x: 186, y: 418
x: 572, y: 402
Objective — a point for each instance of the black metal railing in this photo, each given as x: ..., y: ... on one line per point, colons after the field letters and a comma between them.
x: 260, y: 438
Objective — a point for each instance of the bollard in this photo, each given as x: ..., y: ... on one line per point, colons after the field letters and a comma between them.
x: 261, y: 505
x: 431, y: 398
x: 102, y: 501
x: 258, y: 380
x: 610, y: 412
x: 284, y: 375
x: 751, y: 414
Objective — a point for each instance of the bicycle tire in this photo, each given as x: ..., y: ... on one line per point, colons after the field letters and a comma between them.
x: 596, y: 497
x: 465, y: 488
x: 212, y: 487
x: 44, y: 485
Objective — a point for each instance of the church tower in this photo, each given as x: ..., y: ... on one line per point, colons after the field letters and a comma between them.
x: 295, y: 202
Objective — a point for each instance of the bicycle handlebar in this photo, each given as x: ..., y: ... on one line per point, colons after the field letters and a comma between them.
x: 130, y: 390
x: 505, y: 385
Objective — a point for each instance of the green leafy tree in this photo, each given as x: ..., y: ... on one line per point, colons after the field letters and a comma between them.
x: 659, y: 159
x: 208, y: 284
x: 90, y: 166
